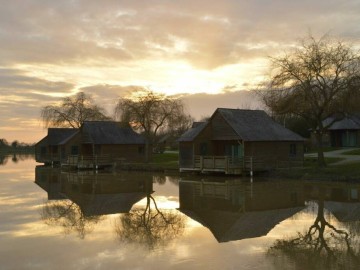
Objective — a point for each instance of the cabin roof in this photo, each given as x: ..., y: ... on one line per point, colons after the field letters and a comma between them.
x: 350, y: 122
x: 256, y: 125
x: 109, y: 132
x: 56, y: 136
x: 191, y: 134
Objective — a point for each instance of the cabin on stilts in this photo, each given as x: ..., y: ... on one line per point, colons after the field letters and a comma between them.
x: 236, y: 141
x: 95, y: 145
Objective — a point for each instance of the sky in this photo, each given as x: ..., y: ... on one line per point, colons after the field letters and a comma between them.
x: 212, y: 53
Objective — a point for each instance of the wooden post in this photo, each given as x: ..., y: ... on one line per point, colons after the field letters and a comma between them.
x: 251, y: 166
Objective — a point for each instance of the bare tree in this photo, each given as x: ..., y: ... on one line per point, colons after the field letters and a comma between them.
x: 317, y: 80
x: 151, y: 113
x: 72, y: 112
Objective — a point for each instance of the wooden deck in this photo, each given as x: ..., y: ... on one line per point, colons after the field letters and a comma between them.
x: 88, y: 162
x: 48, y: 158
x: 236, y: 166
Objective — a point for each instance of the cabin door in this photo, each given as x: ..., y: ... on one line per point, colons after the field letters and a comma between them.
x: 235, y: 151
x: 348, y: 139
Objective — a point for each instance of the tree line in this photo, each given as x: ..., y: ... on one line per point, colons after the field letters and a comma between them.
x: 15, y: 146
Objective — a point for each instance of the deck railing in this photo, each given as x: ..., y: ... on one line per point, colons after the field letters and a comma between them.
x: 47, y: 158
x: 90, y: 161
x: 248, y: 163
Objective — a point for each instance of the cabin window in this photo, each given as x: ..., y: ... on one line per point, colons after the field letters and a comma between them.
x: 74, y: 150
x: 203, y: 149
x: 292, y: 152
x: 354, y: 194
x: 234, y: 151
x: 141, y: 149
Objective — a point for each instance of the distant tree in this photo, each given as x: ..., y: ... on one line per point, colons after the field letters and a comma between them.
x: 15, y: 144
x: 295, y: 123
x: 72, y: 112
x: 151, y: 113
x: 317, y: 80
x: 4, y: 143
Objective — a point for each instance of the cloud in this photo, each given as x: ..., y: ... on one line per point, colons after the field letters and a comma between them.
x: 21, y: 99
x: 50, y: 49
x: 204, y: 105
x: 210, y: 33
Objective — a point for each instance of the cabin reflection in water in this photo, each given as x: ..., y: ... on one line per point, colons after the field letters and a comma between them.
x: 233, y: 211
x: 94, y: 193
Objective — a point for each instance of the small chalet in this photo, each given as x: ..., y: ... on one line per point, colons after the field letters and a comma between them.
x: 48, y: 149
x: 342, y: 133
x: 96, y: 141
x: 234, y: 141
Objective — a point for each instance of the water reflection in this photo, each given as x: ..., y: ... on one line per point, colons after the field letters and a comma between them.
x: 149, y: 225
x: 288, y: 224
x: 328, y: 243
x: 15, y: 157
x: 233, y: 210
x: 78, y: 201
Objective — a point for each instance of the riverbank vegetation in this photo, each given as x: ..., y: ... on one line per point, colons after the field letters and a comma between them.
x: 16, y: 147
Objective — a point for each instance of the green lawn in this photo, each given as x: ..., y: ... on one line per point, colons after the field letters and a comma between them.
x: 312, y: 161
x: 325, y: 149
x: 352, y: 152
x: 165, y: 158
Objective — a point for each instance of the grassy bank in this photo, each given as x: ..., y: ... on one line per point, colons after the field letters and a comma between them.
x: 310, y: 171
x: 160, y: 163
x: 343, y: 172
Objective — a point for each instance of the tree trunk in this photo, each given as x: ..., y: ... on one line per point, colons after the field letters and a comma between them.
x: 321, y: 158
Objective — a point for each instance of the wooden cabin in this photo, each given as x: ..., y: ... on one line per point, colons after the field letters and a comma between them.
x: 48, y: 149
x: 341, y: 133
x: 235, y: 141
x: 96, y: 144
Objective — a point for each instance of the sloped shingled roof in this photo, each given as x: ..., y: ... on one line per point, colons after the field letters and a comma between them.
x: 256, y: 125
x: 191, y: 134
x: 350, y: 123
x: 108, y: 132
x: 56, y: 136
x: 249, y: 125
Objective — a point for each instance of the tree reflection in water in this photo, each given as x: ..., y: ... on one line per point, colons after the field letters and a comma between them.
x: 322, y: 246
x: 150, y: 227
x: 69, y: 216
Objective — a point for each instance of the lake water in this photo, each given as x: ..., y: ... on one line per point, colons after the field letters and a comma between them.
x: 58, y: 220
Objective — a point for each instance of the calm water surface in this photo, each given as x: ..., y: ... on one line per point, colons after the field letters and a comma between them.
x: 58, y: 220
